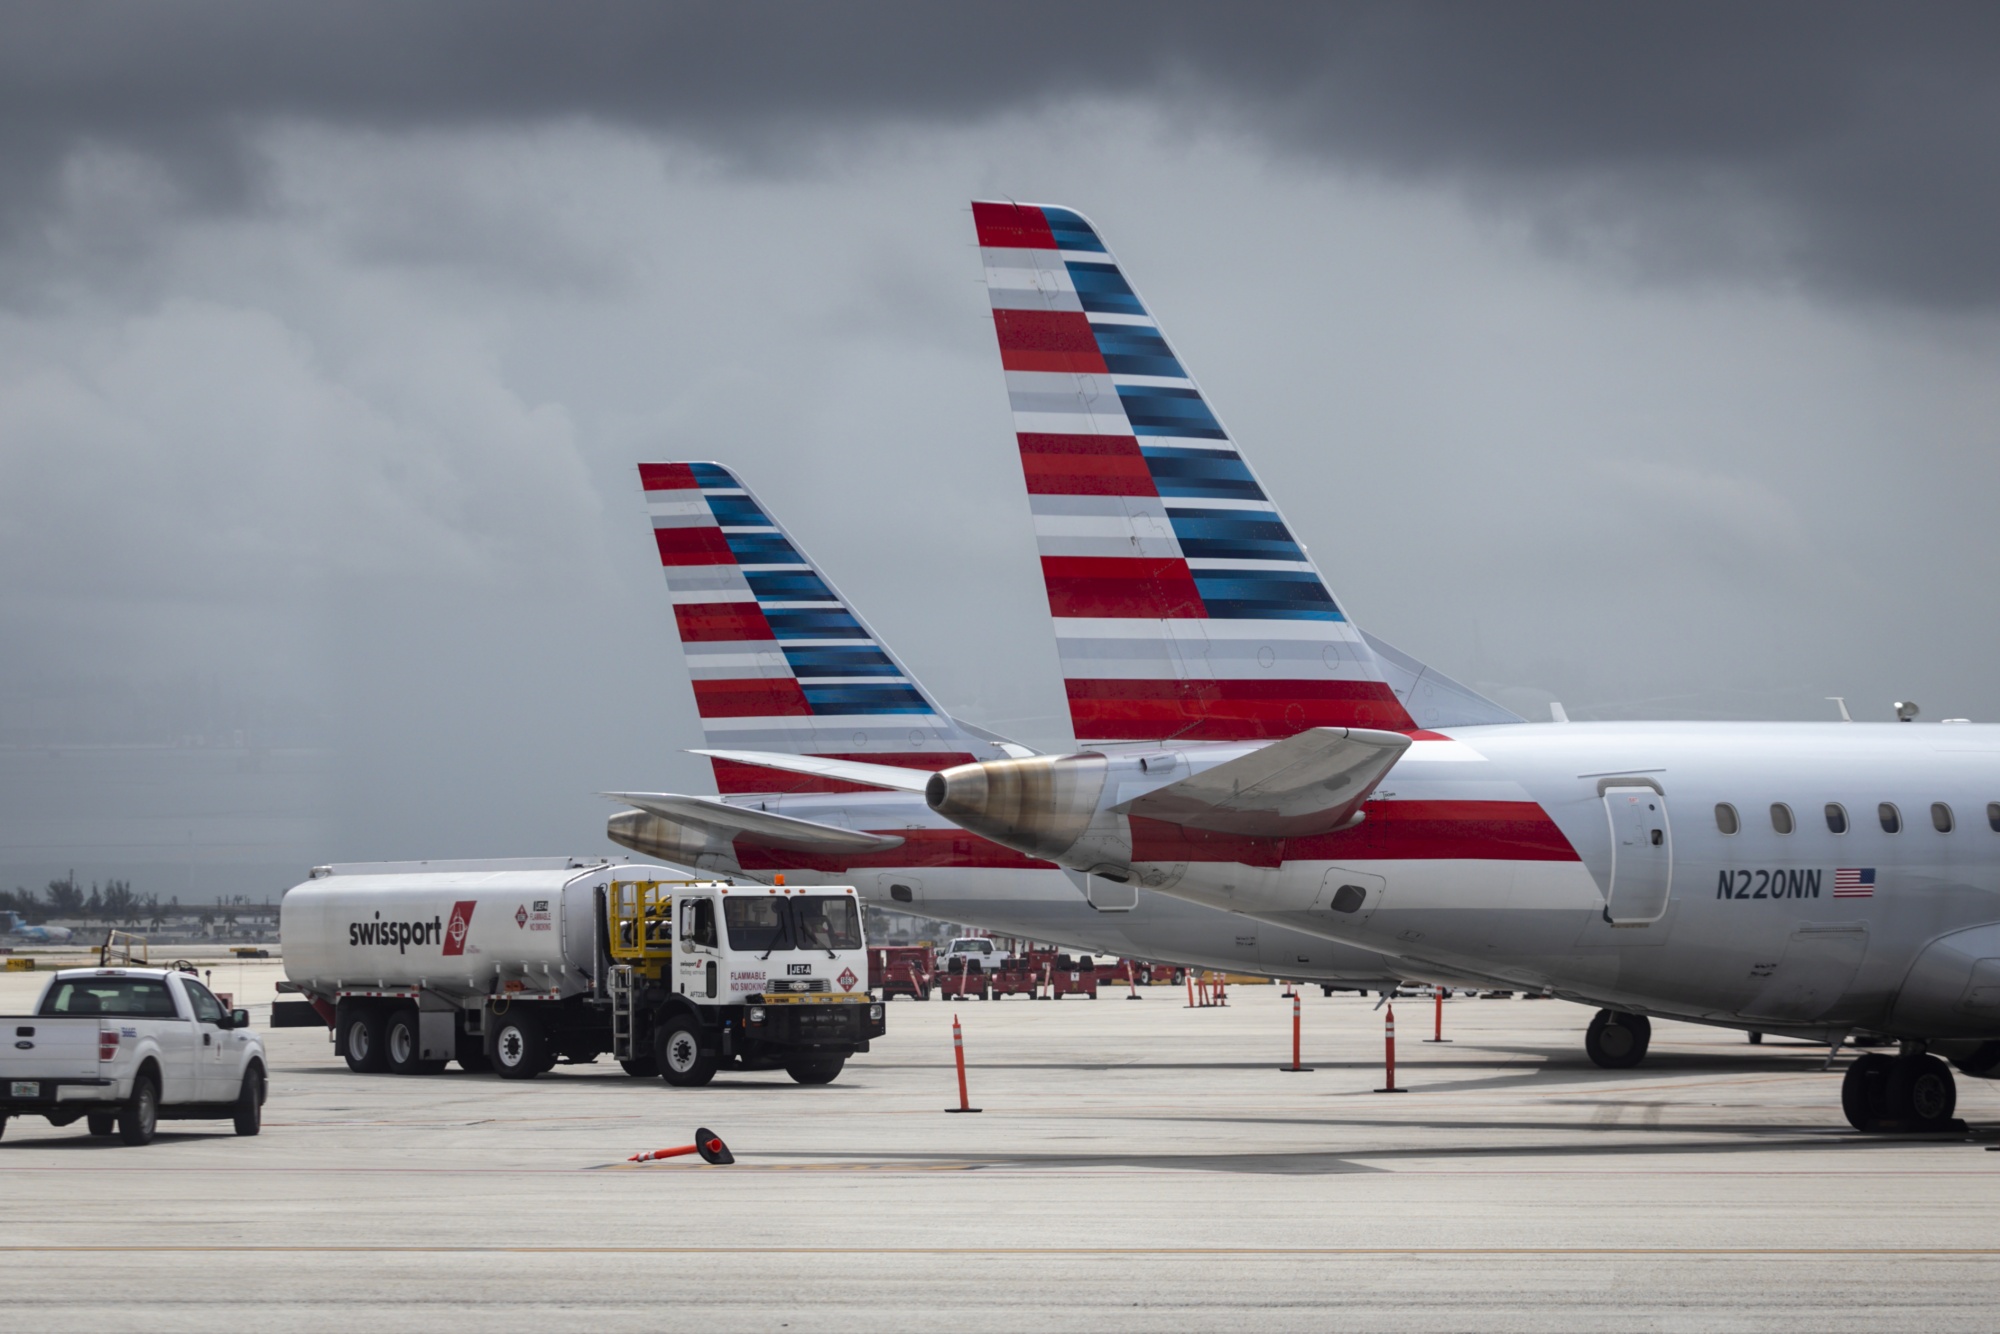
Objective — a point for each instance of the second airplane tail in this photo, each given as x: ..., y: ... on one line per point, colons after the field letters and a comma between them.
x: 780, y: 661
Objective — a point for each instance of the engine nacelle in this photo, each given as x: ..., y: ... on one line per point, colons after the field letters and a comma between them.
x: 670, y: 841
x: 1042, y: 806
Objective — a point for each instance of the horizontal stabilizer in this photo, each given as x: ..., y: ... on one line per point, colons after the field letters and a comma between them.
x: 1309, y: 783
x: 892, y: 776
x: 720, y: 819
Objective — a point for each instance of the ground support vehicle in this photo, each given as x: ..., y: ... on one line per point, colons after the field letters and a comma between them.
x: 1071, y: 977
x: 514, y: 966
x: 123, y: 1049
x: 1016, y: 977
x: 964, y: 979
x: 898, y: 970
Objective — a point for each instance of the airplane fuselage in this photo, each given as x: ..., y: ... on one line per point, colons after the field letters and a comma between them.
x: 1490, y: 851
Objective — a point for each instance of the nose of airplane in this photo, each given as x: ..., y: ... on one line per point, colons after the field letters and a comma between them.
x: 1040, y: 806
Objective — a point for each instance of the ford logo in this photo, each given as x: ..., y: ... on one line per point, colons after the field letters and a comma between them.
x: 23, y: 1046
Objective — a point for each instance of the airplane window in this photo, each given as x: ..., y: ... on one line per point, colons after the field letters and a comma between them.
x: 1891, y: 818
x: 1725, y: 817
x: 1781, y: 817
x: 1993, y: 816
x: 1836, y: 818
x: 1941, y: 817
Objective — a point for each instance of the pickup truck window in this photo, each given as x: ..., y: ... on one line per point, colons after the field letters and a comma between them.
x: 127, y: 997
x: 207, y: 1009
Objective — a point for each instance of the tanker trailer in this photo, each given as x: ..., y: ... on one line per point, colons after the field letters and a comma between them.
x: 515, y: 965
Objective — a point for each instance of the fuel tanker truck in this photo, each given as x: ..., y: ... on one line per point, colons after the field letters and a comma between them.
x: 514, y: 965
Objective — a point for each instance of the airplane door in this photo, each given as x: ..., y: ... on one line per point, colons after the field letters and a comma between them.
x: 1350, y: 896
x: 1642, y: 854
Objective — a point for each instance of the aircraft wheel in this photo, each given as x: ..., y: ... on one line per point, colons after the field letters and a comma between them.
x: 1617, y: 1041
x: 1864, y: 1092
x: 1922, y: 1093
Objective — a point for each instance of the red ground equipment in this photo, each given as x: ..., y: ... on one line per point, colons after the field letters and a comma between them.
x: 897, y: 970
x: 963, y: 977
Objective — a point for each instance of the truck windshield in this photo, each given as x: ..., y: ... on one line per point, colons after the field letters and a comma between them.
x: 827, y: 922
x: 756, y: 922
x: 127, y: 997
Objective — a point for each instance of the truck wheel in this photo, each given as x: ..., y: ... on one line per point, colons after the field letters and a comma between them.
x: 815, y: 1069
x: 361, y: 1027
x: 102, y: 1123
x: 641, y: 1067
x: 520, y: 1047
x: 403, y: 1044
x: 3, y: 1125
x: 679, y: 1055
x: 250, y: 1102
x: 141, y: 1117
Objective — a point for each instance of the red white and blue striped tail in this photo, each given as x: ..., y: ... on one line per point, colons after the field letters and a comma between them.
x: 780, y: 661
x: 1184, y: 606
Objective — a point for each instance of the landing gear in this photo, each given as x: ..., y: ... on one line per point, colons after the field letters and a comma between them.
x: 1618, y: 1041
x: 1914, y: 1092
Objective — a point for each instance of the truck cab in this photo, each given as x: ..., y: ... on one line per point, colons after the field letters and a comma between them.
x: 759, y: 975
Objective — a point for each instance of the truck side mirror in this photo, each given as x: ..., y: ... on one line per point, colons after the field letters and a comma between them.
x: 239, y: 1018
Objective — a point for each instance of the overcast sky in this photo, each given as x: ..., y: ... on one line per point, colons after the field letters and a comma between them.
x: 1636, y: 356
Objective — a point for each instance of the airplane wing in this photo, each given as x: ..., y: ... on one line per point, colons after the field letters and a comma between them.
x: 766, y: 828
x: 1309, y: 783
x: 890, y: 776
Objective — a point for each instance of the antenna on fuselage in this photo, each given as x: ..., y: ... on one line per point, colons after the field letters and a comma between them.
x: 1841, y: 700
x: 1556, y: 713
x: 1906, y: 710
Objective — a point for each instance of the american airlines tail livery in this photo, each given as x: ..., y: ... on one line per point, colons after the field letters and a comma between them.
x: 1243, y: 746
x: 794, y: 688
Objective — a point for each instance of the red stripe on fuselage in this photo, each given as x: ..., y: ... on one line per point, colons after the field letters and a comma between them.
x: 1084, y: 465
x: 1012, y: 227
x: 1509, y: 831
x: 1119, y: 710
x: 955, y: 848
x: 721, y: 622
x: 733, y: 777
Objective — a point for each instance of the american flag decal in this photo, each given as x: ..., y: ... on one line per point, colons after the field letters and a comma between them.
x: 1854, y: 882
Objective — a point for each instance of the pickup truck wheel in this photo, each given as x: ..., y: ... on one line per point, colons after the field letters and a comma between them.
x: 681, y: 1060
x: 362, y: 1028
x: 101, y: 1123
x: 519, y: 1047
x: 141, y: 1117
x: 815, y: 1069
x: 3, y: 1125
x: 402, y: 1043
x: 250, y: 1102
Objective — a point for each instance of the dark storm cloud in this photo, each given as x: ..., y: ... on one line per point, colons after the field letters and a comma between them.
x: 1849, y: 147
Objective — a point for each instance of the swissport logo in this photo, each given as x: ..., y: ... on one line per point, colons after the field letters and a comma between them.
x: 455, y: 929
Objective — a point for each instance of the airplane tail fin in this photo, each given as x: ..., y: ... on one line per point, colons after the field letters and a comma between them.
x: 780, y: 661
x: 1184, y: 606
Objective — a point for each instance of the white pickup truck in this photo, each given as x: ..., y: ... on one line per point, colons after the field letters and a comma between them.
x: 975, y: 950
x: 124, y: 1049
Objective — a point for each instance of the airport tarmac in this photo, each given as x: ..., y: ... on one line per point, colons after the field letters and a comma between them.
x: 1137, y: 1166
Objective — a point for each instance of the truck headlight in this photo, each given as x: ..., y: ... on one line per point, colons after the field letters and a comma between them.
x: 874, y: 1012
x: 756, y: 1014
